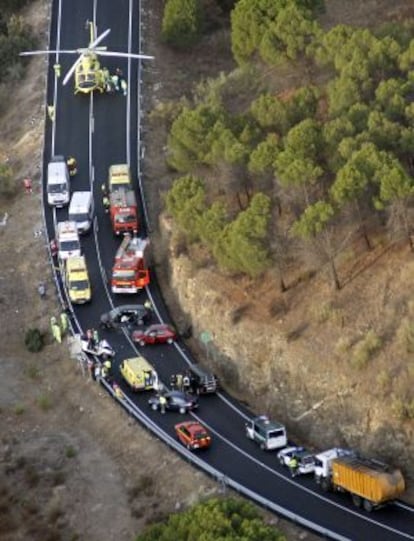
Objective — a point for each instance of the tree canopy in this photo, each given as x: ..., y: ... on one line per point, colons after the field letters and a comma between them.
x: 214, y: 520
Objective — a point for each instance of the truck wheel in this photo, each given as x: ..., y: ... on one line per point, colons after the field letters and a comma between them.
x: 356, y: 500
x: 368, y: 506
x: 325, y: 485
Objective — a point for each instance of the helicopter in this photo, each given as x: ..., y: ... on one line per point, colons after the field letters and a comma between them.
x: 88, y: 73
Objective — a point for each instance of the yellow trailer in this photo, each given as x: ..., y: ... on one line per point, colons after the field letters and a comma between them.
x: 371, y: 483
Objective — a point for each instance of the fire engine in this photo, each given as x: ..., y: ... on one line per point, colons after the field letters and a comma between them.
x: 123, y: 211
x: 130, y: 273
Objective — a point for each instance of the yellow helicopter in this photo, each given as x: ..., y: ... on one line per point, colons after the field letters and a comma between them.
x: 89, y: 75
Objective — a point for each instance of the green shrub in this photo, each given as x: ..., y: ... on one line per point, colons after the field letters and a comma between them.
x: 7, y: 183
x: 34, y: 340
x: 405, y: 336
x: 44, y: 402
x: 70, y: 452
x: 364, y: 349
x: 19, y: 409
x: 181, y: 23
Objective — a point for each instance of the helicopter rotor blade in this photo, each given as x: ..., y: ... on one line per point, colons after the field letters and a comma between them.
x: 31, y: 53
x: 99, y: 39
x: 125, y: 55
x: 72, y: 70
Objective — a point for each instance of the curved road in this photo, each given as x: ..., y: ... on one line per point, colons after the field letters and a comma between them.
x: 100, y: 130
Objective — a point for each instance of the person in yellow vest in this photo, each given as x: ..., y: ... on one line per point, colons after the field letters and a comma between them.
x: 106, y: 203
x: 117, y: 391
x: 51, y: 112
x: 72, y: 166
x: 56, y: 332
x: 107, y: 369
x: 57, y: 69
x: 64, y: 323
x: 163, y: 403
x: 293, y: 466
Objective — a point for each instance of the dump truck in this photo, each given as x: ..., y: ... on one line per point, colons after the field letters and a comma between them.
x: 371, y: 483
x: 123, y: 211
x: 130, y: 272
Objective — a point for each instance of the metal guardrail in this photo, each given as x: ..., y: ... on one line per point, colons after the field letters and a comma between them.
x: 218, y: 475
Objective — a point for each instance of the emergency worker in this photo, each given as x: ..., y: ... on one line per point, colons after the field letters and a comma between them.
x: 117, y: 390
x: 148, y: 305
x: 72, y: 166
x: 106, y: 203
x: 57, y: 69
x: 115, y: 82
x: 56, y: 332
x: 186, y: 382
x: 179, y: 382
x: 107, y: 369
x: 51, y: 112
x: 293, y: 466
x: 64, y: 323
x: 124, y: 86
x: 163, y: 403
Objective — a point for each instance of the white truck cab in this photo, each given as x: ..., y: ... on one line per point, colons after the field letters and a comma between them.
x: 268, y: 434
x: 81, y: 210
x: 323, y: 461
x: 67, y: 239
x: 58, y: 183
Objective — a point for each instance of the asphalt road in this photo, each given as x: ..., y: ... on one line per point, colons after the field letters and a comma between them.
x: 101, y: 130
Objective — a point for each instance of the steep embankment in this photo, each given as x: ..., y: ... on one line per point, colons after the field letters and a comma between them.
x: 296, y: 355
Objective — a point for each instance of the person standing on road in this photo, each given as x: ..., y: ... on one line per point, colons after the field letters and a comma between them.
x: 106, y: 203
x: 163, y: 403
x: 57, y: 69
x: 293, y: 466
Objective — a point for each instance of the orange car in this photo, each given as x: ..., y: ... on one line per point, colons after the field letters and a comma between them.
x: 192, y: 435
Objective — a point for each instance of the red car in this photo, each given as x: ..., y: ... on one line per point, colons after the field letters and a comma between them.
x: 155, y: 334
x: 192, y: 435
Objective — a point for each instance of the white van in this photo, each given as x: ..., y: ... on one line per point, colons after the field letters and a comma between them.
x: 57, y: 186
x: 81, y: 210
x: 67, y: 238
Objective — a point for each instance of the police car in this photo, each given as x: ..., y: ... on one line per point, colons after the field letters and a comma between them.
x: 305, y: 459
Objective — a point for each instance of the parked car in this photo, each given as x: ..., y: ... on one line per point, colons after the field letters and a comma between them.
x: 305, y: 459
x: 268, y: 434
x: 154, y: 334
x: 176, y: 401
x: 193, y: 435
x: 126, y: 314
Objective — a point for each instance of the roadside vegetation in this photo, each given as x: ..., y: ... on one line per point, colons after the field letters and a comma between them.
x: 272, y: 174
x: 228, y: 518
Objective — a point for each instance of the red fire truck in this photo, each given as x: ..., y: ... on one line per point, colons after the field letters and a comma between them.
x: 123, y: 211
x: 130, y: 272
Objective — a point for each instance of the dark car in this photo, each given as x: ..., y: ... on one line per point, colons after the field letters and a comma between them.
x: 126, y: 314
x: 176, y: 401
x: 202, y: 382
x: 154, y: 334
